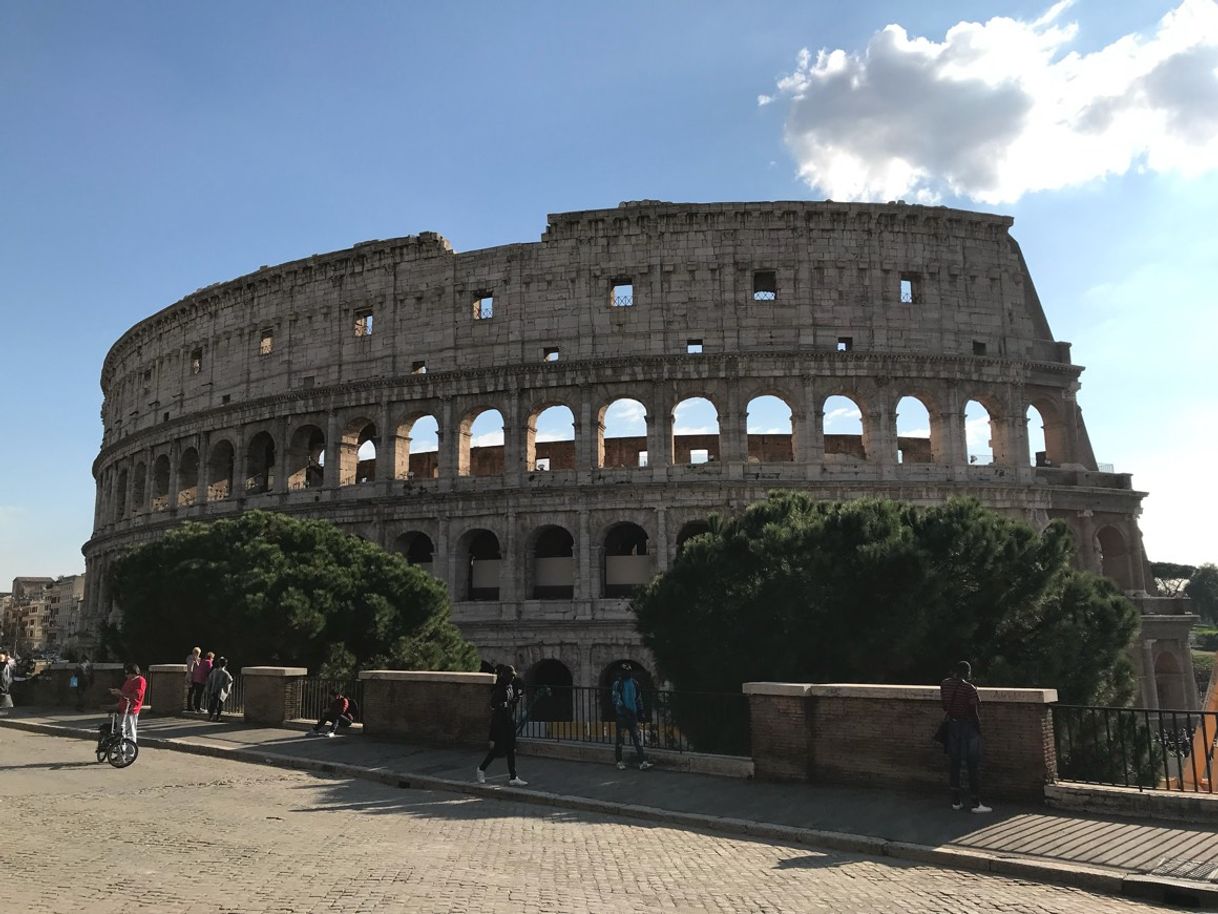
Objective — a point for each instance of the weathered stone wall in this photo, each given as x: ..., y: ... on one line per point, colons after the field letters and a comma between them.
x: 199, y: 423
x: 428, y: 707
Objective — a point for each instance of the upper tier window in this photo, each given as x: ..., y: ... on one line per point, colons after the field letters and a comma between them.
x: 765, y: 285
x: 484, y: 306
x: 363, y: 322
x: 622, y: 294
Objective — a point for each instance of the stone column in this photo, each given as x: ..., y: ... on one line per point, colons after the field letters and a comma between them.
x: 514, y: 431
x: 733, y: 429
x: 583, y: 567
x: 175, y: 458
x: 387, y: 450
x: 587, y: 434
x: 1150, y: 687
x: 240, y: 464
x: 1087, y: 551
x: 166, y: 688
x: 811, y: 437
x: 201, y: 491
x: 330, y: 470
x: 659, y: 427
x: 272, y: 693
x: 661, y: 545
x: 284, y: 455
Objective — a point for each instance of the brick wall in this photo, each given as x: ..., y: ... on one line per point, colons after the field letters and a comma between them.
x: 167, y: 688
x: 881, y: 736
x: 272, y: 693
x: 428, y: 707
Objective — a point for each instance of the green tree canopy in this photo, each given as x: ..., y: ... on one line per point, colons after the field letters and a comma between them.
x: 878, y: 591
x: 1202, y: 589
x: 270, y: 589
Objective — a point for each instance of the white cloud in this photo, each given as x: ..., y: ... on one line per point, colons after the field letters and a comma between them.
x: 679, y: 429
x: 1004, y: 108
x: 487, y: 439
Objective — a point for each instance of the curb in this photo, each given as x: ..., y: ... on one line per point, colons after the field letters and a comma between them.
x: 1144, y: 887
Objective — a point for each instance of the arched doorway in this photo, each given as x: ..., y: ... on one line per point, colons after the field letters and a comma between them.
x: 627, y: 562
x: 484, y: 560
x: 549, y: 695
x: 605, y: 686
x: 416, y: 547
x: 554, y: 565
x: 690, y: 530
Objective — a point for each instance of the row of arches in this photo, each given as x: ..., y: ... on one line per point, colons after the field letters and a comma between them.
x: 550, y: 695
x: 624, y: 431
x: 552, y: 571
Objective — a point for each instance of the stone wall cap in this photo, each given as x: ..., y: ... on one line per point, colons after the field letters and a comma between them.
x: 429, y: 676
x: 927, y: 693
x: 107, y: 666
x: 789, y: 689
x: 167, y: 668
x: 281, y: 671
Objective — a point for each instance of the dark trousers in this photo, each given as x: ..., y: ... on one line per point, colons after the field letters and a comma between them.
x: 964, y: 748
x: 216, y: 707
x: 511, y: 760
x: 81, y: 692
x: 628, y: 720
x: 195, y: 700
x: 337, y: 720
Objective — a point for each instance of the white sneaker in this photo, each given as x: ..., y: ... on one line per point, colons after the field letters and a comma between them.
x: 644, y: 765
x: 518, y: 782
x: 957, y: 806
x: 981, y: 807
x: 479, y: 775
x: 621, y: 766
x: 329, y: 734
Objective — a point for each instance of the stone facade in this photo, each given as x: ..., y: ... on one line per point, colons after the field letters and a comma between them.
x: 260, y: 393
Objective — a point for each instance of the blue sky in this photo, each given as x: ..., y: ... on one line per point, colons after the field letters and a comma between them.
x: 150, y: 149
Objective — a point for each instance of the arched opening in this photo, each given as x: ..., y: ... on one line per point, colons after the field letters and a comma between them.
x: 1114, y: 556
x: 260, y: 464
x: 627, y: 562
x: 550, y: 440
x: 416, y: 547
x: 641, y: 675
x: 307, y: 458
x: 843, y: 424
x: 689, y: 531
x: 418, y: 449
x: 622, y: 434
x: 139, y: 487
x: 120, y: 499
x: 483, y: 565
x: 553, y: 564
x: 357, y: 452
x: 770, y: 430
x: 913, y: 432
x: 188, y: 478
x: 1169, y: 682
x: 481, y: 451
x: 160, y: 483
x: 695, y: 432
x: 550, y: 694
x: 220, y: 471
x: 1046, y: 434
x: 978, y: 434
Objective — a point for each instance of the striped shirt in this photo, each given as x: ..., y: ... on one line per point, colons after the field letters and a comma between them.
x: 960, y: 699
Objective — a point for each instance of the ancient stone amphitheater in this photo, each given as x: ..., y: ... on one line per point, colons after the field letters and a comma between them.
x: 306, y: 387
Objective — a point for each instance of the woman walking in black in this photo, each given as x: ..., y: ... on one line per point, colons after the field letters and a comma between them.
x: 504, y: 697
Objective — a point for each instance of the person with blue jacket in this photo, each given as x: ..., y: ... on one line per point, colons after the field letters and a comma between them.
x: 628, y: 706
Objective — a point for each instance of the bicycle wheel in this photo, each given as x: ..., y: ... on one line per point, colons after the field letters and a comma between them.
x: 123, y: 753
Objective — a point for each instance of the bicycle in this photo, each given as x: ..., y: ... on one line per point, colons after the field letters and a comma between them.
x: 112, y: 746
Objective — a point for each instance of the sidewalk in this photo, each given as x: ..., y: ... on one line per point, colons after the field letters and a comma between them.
x: 1115, y: 856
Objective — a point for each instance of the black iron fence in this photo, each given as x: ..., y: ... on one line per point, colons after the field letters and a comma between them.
x: 713, y: 722
x: 235, y: 703
x: 1151, y: 749
x: 316, y: 694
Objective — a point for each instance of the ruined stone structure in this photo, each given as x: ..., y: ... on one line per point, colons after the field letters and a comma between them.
x: 266, y: 392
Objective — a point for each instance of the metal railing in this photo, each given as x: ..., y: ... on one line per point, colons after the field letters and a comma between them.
x: 235, y: 703
x: 1150, y: 749
x: 711, y: 722
x: 317, y: 693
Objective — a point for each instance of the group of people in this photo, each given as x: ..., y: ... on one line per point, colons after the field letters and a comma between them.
x: 208, y: 682
x: 626, y: 696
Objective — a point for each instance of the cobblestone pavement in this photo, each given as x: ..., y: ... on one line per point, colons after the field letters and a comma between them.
x: 177, y: 833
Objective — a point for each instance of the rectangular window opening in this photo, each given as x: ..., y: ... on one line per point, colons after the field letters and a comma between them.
x: 642, y: 458
x: 978, y: 347
x: 542, y: 465
x: 550, y: 354
x: 845, y: 343
x: 418, y: 368
x: 622, y: 294
x: 693, y: 347
x: 196, y: 361
x: 226, y: 399
x: 266, y: 341
x: 699, y: 455
x: 484, y: 306
x: 363, y: 322
x: 765, y: 285
x: 308, y: 381
x: 165, y: 417
x: 147, y: 378
x: 907, y: 290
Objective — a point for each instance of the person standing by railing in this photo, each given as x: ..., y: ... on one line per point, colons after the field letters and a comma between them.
x: 219, y: 684
x: 961, y: 704
x: 198, y: 681
x: 628, y: 707
x: 193, y: 659
x: 504, y: 697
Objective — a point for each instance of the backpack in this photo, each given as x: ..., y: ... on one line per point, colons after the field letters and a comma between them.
x: 352, y: 710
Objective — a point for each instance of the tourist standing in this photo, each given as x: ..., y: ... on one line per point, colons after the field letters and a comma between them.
x: 219, y: 684
x: 6, y: 682
x: 131, y: 698
x: 628, y: 707
x: 505, y: 695
x: 198, y: 681
x: 192, y: 660
x: 83, y: 674
x: 962, y: 705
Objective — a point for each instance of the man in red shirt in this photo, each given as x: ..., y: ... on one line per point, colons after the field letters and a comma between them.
x: 131, y: 694
x: 339, y: 715
x: 961, y: 704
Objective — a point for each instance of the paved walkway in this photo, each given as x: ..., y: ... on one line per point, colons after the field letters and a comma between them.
x: 1101, y: 853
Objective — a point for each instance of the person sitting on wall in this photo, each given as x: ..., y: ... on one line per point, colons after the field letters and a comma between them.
x: 338, y: 715
x: 961, y: 704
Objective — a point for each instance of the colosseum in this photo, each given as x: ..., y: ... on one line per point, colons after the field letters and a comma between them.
x: 356, y: 386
